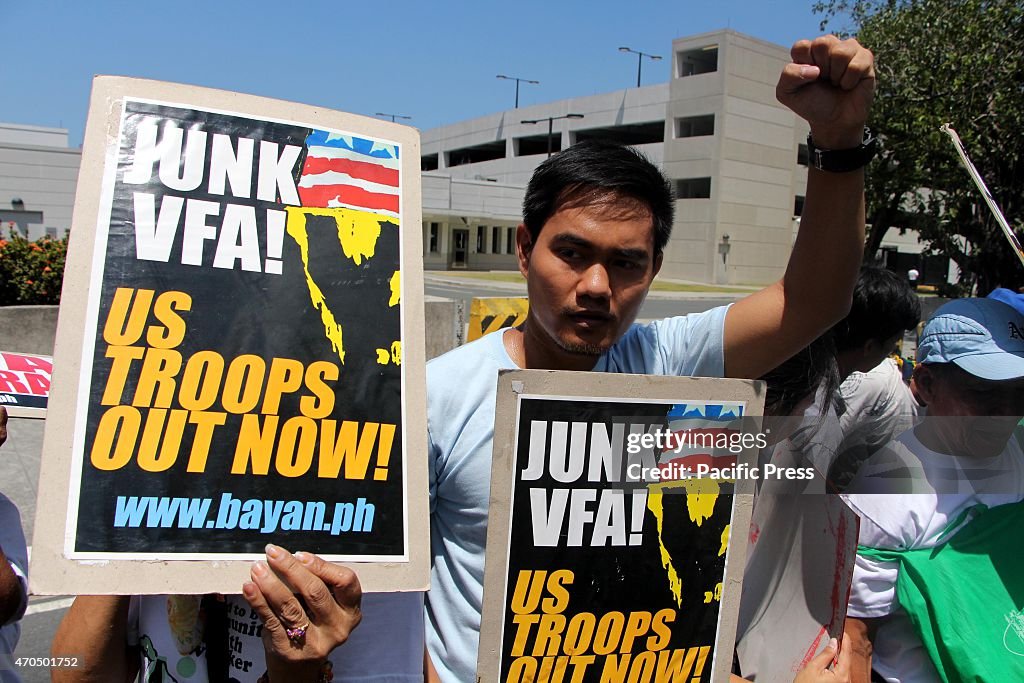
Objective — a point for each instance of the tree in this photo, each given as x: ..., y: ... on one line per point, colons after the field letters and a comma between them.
x: 938, y: 61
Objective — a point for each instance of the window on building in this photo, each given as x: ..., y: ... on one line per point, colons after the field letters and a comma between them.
x: 630, y: 134
x: 693, y: 188
x: 477, y: 153
x: 435, y: 236
x: 798, y: 206
x: 803, y: 156
x: 695, y: 126
x: 510, y: 241
x: 496, y: 240
x: 428, y: 162
x: 481, y: 239
x: 702, y: 60
x: 538, y: 144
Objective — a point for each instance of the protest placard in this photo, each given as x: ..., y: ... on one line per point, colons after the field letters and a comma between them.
x: 237, y: 349
x: 799, y: 568
x: 25, y: 383
x: 609, y: 552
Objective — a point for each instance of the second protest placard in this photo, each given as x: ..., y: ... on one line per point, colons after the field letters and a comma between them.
x: 609, y: 552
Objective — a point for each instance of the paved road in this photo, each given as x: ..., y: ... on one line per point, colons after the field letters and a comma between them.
x: 654, y: 308
x: 19, y: 461
x: 37, y: 630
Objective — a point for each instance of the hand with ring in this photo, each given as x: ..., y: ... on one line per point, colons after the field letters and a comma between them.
x: 308, y: 607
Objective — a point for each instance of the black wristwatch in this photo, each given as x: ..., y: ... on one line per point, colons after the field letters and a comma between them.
x: 842, y: 160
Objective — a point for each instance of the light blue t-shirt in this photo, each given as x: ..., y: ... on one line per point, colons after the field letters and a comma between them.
x: 461, y: 387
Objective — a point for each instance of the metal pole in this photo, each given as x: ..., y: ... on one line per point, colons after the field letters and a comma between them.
x: 393, y: 117
x: 639, y: 66
x: 551, y: 127
x: 518, y: 81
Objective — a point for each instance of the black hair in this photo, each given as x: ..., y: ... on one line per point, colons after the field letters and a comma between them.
x: 812, y: 367
x: 884, y: 305
x: 598, y: 172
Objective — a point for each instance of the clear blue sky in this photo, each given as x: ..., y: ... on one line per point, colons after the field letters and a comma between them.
x: 434, y: 60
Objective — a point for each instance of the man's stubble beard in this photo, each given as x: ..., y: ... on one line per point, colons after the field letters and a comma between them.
x: 575, y: 348
x: 580, y: 349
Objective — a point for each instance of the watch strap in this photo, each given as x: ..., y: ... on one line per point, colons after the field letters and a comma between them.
x: 842, y: 160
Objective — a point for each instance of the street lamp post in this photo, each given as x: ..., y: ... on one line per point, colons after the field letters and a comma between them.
x: 393, y: 116
x: 551, y: 122
x: 639, y: 60
x: 518, y: 81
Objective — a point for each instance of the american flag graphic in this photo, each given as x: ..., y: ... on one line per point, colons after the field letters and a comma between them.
x: 694, y: 424
x: 350, y: 172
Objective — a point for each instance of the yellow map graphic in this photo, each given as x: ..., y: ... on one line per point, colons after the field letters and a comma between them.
x: 701, y: 496
x: 396, y: 288
x: 716, y: 594
x: 358, y: 232
x: 393, y: 356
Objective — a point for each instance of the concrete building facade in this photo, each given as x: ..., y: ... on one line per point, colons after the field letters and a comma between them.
x: 469, y: 224
x: 733, y: 153
x: 38, y: 174
x: 731, y: 150
x: 736, y: 157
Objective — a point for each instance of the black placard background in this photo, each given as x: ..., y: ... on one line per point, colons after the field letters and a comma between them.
x: 236, y: 312
x: 624, y: 579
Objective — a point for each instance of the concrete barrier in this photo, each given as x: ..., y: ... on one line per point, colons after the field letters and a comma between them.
x: 32, y: 329
x: 28, y: 329
x: 445, y: 325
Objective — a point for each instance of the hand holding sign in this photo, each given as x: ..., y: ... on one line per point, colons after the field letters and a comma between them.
x: 299, y: 635
x: 817, y: 670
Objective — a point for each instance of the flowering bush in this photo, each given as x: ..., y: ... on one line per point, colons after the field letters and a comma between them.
x: 31, y: 272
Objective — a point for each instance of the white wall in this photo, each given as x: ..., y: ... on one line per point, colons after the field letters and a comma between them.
x: 37, y: 167
x: 458, y: 203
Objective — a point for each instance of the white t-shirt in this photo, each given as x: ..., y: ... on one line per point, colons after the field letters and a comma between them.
x: 894, y: 520
x: 386, y: 647
x: 874, y: 408
x: 12, y: 540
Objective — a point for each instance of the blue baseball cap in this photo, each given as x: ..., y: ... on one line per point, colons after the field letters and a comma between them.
x: 984, y: 337
x: 1007, y: 297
